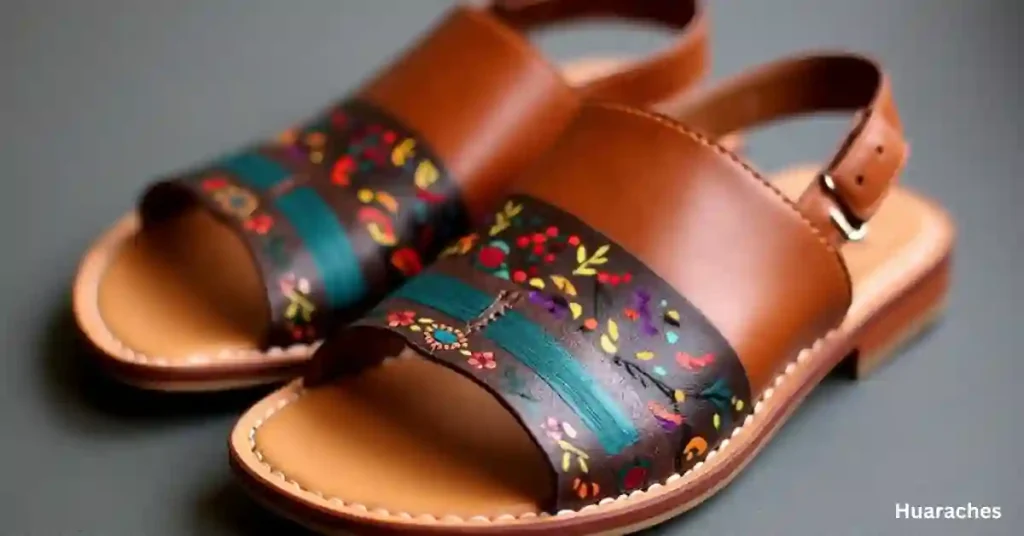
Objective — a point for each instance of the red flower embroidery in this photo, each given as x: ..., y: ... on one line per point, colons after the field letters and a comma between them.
x: 401, y: 318
x: 689, y: 362
x: 574, y: 240
x: 407, y: 261
x: 214, y: 183
x: 483, y: 360
x: 259, y: 224
x: 491, y: 257
x: 635, y: 478
x: 342, y: 168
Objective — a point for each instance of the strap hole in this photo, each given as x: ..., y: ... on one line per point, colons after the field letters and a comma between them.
x: 879, y: 149
x: 860, y: 180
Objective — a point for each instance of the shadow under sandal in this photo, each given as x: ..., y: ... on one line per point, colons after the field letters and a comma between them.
x: 620, y: 339
x: 228, y: 274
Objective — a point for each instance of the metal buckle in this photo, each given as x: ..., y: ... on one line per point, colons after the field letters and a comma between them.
x: 853, y: 233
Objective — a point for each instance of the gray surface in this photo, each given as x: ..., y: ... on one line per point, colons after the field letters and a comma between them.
x: 97, y: 97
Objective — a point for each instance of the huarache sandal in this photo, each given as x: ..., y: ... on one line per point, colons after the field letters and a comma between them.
x: 227, y: 274
x: 639, y: 317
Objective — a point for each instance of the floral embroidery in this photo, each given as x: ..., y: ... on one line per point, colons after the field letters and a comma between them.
x: 577, y: 283
x: 555, y: 429
x: 407, y: 261
x: 503, y: 220
x: 482, y: 360
x: 633, y: 475
x: 232, y: 199
x: 586, y: 264
x: 259, y: 224
x: 461, y: 246
x: 300, y: 309
x: 585, y: 488
x: 689, y: 362
x: 444, y: 337
x: 696, y: 447
x: 401, y: 318
x: 492, y: 259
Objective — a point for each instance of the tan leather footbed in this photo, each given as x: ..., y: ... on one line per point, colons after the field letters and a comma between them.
x: 188, y: 287
x: 414, y: 437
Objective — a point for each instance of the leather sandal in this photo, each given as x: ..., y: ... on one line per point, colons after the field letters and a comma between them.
x: 623, y: 335
x: 228, y: 274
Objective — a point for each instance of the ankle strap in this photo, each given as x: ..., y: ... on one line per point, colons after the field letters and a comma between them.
x: 653, y: 80
x: 850, y: 189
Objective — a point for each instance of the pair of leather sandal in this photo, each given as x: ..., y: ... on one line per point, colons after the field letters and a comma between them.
x: 524, y: 300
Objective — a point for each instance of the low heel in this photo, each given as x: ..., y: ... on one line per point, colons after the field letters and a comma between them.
x: 901, y: 322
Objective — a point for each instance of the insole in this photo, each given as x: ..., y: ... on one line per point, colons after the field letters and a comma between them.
x: 416, y: 437
x: 189, y: 287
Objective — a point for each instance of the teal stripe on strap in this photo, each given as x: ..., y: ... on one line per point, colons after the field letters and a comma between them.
x: 314, y: 222
x: 255, y: 170
x: 535, y: 349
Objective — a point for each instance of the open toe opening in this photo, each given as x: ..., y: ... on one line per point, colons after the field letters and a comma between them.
x: 182, y: 287
x: 410, y: 436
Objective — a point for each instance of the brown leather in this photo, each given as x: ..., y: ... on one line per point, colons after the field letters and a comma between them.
x: 646, y: 82
x: 504, y: 103
x: 706, y: 223
x: 868, y: 161
x: 477, y: 92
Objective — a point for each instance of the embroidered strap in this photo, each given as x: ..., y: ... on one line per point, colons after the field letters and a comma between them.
x: 618, y: 378
x: 334, y: 213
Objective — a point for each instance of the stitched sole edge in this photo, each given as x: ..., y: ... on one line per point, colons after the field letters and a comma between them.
x: 227, y: 369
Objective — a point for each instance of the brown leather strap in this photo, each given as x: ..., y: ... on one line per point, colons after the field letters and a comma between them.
x: 642, y: 83
x: 489, y: 102
x: 869, y: 160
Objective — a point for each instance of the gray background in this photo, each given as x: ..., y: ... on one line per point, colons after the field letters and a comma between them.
x: 97, y: 97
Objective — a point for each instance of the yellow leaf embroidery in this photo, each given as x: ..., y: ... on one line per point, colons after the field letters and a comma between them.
x: 576, y: 309
x: 426, y: 175
x: 717, y: 421
x: 402, y: 152
x: 673, y: 315
x: 563, y: 284
x: 365, y: 195
x: 645, y: 356
x: 607, y: 346
x: 503, y: 219
x: 388, y: 202
x: 586, y: 264
x: 613, y: 330
x: 537, y: 282
x: 680, y: 396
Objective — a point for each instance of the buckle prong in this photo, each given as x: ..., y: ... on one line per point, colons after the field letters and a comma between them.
x: 853, y: 233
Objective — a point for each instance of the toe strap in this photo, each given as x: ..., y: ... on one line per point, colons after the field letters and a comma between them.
x: 333, y: 213
x: 620, y: 380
